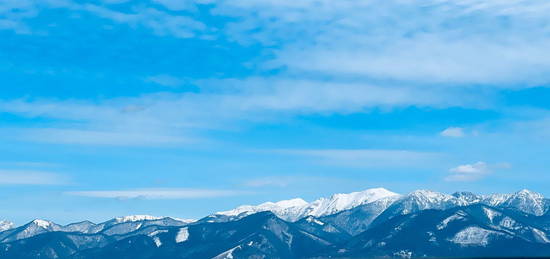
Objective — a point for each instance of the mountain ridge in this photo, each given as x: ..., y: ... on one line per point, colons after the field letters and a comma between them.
x: 371, y: 223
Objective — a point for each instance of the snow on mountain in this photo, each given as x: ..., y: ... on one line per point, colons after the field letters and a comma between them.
x: 280, y: 207
x: 527, y: 201
x: 417, y: 201
x: 340, y: 202
x: 5, y: 225
x: 425, y: 199
x: 127, y: 224
x: 524, y: 200
x: 35, y: 227
x: 82, y: 227
x: 474, y: 236
x: 183, y: 235
x: 358, y: 219
x: 133, y: 218
x: 466, y: 198
x: 186, y: 221
x: 353, y: 213
x: 295, y: 209
x: 116, y: 226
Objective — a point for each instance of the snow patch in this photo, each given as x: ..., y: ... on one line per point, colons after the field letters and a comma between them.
x: 314, y: 220
x: 509, y: 223
x: 491, y: 214
x: 403, y: 254
x: 322, y: 241
x: 183, y: 235
x: 156, y: 232
x: 446, y: 221
x: 133, y: 218
x: 540, y: 236
x: 227, y: 254
x: 473, y: 236
x: 157, y: 241
x: 5, y: 225
x: 42, y: 223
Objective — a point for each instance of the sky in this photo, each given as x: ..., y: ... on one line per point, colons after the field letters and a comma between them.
x: 187, y: 107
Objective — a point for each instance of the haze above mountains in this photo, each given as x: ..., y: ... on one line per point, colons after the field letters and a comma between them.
x: 374, y: 222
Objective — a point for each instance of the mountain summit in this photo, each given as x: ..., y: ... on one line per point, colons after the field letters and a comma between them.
x: 295, y: 209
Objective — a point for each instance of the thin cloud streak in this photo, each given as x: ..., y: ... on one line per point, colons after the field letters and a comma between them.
x: 175, y: 119
x: 157, y: 194
x: 101, y: 138
x: 367, y: 158
x: 27, y: 177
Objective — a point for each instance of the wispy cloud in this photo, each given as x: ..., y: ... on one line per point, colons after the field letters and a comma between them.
x: 159, y: 119
x: 25, y: 177
x: 30, y: 164
x: 441, y: 44
x: 160, y: 22
x: 154, y: 194
x: 101, y: 138
x: 148, y: 16
x: 269, y: 181
x: 438, y: 44
x: 375, y: 158
x: 453, y: 132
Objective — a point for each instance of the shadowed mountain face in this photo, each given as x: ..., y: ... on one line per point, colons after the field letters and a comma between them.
x: 421, y: 224
x: 472, y: 231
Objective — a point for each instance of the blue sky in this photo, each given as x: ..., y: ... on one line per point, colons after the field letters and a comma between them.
x: 184, y: 108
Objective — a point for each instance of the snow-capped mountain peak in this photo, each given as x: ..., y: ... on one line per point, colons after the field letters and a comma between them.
x: 344, y: 201
x: 296, y: 209
x: 527, y: 201
x: 426, y: 199
x: 291, y: 203
x: 276, y: 207
x: 5, y: 225
x: 466, y: 198
x: 45, y: 224
x: 430, y: 195
x: 529, y: 194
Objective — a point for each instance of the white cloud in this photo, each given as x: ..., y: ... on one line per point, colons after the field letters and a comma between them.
x: 367, y: 158
x: 154, y: 194
x: 441, y: 41
x: 453, y: 132
x: 456, y: 42
x: 161, y: 23
x: 14, y: 13
x: 24, y: 177
x: 468, y: 172
x: 160, y: 119
x: 433, y: 58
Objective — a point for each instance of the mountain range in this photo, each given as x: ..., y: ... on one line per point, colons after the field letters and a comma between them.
x: 368, y: 224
